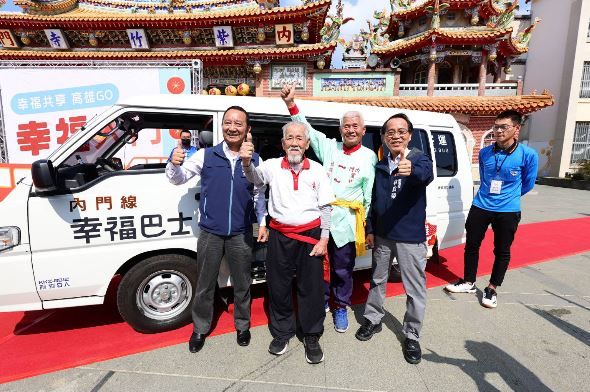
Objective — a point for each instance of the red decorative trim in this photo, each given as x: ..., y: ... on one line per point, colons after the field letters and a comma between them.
x: 350, y: 150
x: 286, y: 165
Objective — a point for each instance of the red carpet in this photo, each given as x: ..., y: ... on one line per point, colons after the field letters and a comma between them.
x: 33, y: 343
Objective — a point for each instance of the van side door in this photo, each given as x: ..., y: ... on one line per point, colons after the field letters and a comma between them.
x: 452, y: 185
x: 114, y: 203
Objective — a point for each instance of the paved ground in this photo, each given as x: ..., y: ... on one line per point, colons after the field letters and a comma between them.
x: 536, y: 340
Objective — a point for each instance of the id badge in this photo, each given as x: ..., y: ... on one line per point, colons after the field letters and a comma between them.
x: 496, y: 187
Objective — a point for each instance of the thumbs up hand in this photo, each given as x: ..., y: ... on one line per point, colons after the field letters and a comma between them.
x: 178, y: 155
x: 404, y: 166
x: 246, y: 150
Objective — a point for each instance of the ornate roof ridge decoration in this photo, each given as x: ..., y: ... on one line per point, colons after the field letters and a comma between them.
x: 46, y: 7
x: 78, y: 15
x: 278, y: 53
x: 80, y: 19
x: 167, y: 6
x: 406, y: 9
x: 331, y: 30
x: 443, y: 35
x: 524, y: 104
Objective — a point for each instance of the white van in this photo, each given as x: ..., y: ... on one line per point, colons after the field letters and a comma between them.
x: 92, y: 212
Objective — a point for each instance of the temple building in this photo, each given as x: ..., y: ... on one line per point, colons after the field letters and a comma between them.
x: 452, y: 56
x: 252, y: 42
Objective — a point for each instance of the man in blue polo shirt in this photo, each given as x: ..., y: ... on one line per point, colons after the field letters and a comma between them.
x: 507, y: 171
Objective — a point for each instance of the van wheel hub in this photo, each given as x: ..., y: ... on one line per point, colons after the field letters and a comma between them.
x: 164, y: 294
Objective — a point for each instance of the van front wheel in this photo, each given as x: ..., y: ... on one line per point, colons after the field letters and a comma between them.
x: 156, y: 294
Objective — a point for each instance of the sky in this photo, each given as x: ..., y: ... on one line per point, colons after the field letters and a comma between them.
x: 360, y: 10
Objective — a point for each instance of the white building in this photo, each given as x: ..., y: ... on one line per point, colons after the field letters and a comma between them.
x: 559, y: 60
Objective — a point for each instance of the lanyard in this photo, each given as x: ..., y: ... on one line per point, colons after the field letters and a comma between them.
x: 509, y: 151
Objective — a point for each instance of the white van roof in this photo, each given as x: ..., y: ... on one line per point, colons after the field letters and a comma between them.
x: 268, y: 105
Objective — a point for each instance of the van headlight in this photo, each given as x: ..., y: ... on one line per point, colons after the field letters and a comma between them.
x: 9, y: 237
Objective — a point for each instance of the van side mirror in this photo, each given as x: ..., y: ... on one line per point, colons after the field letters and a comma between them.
x: 43, y: 174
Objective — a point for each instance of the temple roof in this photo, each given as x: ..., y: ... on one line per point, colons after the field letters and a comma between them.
x: 418, y: 8
x: 81, y: 18
x: 446, y: 36
x: 50, y: 7
x: 236, y: 55
x: 492, y: 106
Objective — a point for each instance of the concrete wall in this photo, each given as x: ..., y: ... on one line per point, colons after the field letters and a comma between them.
x: 554, y: 63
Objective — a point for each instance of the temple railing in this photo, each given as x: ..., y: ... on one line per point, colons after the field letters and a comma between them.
x: 465, y: 89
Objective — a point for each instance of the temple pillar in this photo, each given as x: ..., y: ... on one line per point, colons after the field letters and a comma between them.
x: 259, y: 85
x: 456, y: 73
x: 397, y: 78
x: 431, y: 78
x: 483, y: 70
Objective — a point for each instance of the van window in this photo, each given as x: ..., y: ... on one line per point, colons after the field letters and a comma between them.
x: 420, y: 141
x: 444, y: 151
x: 130, y: 142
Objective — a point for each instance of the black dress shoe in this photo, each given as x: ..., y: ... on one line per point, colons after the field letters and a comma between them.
x: 412, y: 352
x: 243, y: 337
x: 367, y: 330
x: 196, y: 342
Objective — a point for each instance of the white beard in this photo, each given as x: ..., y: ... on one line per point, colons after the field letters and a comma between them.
x: 295, y: 159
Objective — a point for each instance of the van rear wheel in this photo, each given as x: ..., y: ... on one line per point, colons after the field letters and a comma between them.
x: 156, y: 294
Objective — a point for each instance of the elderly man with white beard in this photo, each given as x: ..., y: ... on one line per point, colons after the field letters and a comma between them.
x: 299, y: 205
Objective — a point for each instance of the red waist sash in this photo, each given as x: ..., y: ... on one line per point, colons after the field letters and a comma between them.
x: 294, y: 232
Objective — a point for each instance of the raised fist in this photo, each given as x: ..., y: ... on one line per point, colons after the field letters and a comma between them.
x: 288, y: 95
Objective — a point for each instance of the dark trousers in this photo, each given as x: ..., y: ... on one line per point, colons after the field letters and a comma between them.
x: 289, y: 259
x: 504, y: 225
x: 237, y: 250
x: 341, y: 267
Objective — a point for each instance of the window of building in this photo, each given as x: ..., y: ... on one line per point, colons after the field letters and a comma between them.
x: 585, y: 85
x: 451, y: 16
x: 422, y: 21
x: 421, y: 74
x: 444, y: 151
x: 581, y: 145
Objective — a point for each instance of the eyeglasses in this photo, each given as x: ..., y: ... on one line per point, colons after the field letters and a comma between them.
x: 503, y: 127
x: 393, y: 133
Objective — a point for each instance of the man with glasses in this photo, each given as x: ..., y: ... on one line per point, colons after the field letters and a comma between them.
x: 351, y: 169
x: 395, y: 228
x: 228, y: 206
x: 507, y: 171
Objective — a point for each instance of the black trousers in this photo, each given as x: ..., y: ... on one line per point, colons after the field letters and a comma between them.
x: 504, y: 225
x: 286, y: 260
x: 237, y: 250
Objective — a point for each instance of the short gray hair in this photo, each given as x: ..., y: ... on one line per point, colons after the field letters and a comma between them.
x: 295, y: 124
x: 352, y: 113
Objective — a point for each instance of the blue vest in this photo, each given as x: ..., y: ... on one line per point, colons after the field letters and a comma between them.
x: 227, y: 199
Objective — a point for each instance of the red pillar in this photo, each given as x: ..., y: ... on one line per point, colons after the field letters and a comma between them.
x: 431, y: 78
x: 483, y: 70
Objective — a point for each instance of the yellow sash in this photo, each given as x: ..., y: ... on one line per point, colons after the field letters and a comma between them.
x: 359, y: 211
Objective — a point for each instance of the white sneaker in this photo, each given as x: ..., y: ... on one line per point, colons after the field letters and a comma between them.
x: 461, y: 287
x: 490, y: 298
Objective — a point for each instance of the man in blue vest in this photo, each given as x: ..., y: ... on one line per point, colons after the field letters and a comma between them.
x: 227, y: 207
x: 185, y: 144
